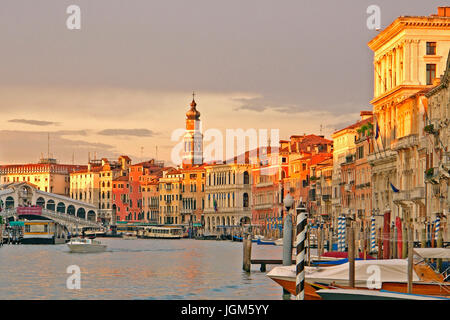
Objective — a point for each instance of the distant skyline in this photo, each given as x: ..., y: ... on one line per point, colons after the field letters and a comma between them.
x: 124, y: 81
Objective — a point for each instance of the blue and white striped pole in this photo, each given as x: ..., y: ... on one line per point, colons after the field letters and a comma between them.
x: 372, y: 234
x: 342, y: 234
x: 437, y: 226
x: 300, y: 258
x: 339, y: 234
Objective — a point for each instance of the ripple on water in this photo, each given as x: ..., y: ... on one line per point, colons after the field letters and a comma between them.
x: 142, y: 269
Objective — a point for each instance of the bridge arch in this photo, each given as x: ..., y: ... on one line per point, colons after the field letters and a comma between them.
x: 91, y: 216
x: 40, y: 202
x: 9, y: 203
x: 81, y: 213
x: 51, y: 205
x: 61, y: 207
x: 71, y: 210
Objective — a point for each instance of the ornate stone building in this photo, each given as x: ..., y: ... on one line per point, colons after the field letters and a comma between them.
x: 408, y: 56
x: 437, y: 173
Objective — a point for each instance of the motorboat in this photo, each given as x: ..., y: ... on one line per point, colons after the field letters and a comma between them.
x: 83, y: 245
x: 393, y: 276
x: 359, y: 294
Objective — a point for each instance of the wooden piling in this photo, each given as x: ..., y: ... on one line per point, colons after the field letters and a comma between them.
x: 439, y: 245
x: 404, y: 243
x: 351, y: 256
x: 320, y: 242
x: 330, y: 239
x: 247, y: 248
x: 410, y: 258
x: 380, y: 244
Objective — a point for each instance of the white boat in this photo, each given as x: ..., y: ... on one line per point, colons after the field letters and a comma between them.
x: 166, y: 232
x: 129, y: 236
x: 82, y: 245
x: 358, y: 294
x: 279, y: 242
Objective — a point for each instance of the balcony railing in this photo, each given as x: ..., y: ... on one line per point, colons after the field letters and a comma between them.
x: 418, y: 193
x: 406, y: 142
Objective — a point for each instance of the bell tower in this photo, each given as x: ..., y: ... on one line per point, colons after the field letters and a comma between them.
x: 193, y: 137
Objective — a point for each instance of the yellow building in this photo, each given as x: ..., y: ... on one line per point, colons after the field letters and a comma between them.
x: 47, y: 175
x: 193, y: 194
x: 170, y: 186
x: 408, y: 55
x: 93, y: 184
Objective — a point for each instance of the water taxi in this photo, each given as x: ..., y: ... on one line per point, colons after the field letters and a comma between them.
x: 43, y: 232
x: 83, y: 245
x: 163, y: 232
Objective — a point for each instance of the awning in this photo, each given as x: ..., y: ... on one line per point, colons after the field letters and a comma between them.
x: 17, y: 224
x: 433, y: 253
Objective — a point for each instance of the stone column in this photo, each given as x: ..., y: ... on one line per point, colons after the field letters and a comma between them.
x: 407, y: 62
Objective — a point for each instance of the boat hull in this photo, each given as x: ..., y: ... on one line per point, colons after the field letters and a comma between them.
x: 442, y: 289
x: 82, y: 248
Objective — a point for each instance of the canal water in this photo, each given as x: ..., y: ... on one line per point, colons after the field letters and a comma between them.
x: 138, y: 269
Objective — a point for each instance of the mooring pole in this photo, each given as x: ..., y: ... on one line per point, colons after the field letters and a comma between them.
x: 351, y: 256
x: 247, y: 247
x: 300, y: 258
x: 410, y: 258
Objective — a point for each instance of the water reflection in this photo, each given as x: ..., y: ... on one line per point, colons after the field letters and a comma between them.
x: 137, y: 269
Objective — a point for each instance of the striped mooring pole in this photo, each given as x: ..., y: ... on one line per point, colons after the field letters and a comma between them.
x: 340, y: 235
x: 372, y: 234
x: 437, y: 226
x: 300, y: 258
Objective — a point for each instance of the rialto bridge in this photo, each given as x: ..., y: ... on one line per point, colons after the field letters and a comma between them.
x: 64, y: 210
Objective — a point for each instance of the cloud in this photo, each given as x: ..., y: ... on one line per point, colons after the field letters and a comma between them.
x: 34, y: 122
x: 26, y: 146
x: 127, y: 132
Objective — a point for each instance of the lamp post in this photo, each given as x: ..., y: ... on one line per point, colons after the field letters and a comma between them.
x: 288, y: 203
x: 287, y: 231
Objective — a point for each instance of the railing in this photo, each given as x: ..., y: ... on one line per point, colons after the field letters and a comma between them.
x: 406, y: 142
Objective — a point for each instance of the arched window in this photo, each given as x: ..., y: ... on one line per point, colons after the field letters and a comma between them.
x: 245, y: 202
x: 246, y: 178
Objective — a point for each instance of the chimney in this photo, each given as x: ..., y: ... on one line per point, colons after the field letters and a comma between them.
x: 365, y: 114
x: 443, y: 12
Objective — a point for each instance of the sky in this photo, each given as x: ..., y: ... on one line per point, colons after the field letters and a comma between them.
x: 123, y: 82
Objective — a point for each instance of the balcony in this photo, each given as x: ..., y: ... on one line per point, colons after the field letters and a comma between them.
x: 264, y: 184
x: 263, y: 206
x: 401, y: 197
x: 381, y: 157
x: 406, y: 142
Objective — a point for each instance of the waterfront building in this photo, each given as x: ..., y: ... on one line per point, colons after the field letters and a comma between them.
x: 319, y: 193
x: 170, y: 197
x: 193, y: 195
x: 351, y: 180
x: 363, y: 172
x: 408, y: 56
x: 130, y: 201
x: 94, y: 184
x: 321, y: 173
x: 150, y: 200
x: 437, y: 137
x: 228, y: 192
x: 46, y: 175
x: 268, y: 171
x: 303, y: 151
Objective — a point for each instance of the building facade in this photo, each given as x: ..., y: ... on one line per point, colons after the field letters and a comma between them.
x: 408, y: 56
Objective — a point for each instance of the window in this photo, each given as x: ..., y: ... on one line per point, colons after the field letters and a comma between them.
x: 431, y: 48
x: 431, y: 73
